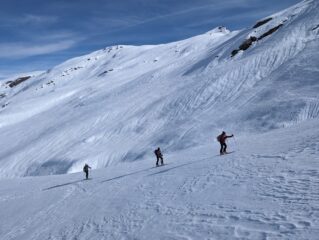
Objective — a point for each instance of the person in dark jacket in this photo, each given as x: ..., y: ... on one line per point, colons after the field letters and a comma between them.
x: 222, y: 140
x: 159, y: 156
x: 86, y: 170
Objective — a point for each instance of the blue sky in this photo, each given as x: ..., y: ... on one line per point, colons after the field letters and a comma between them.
x: 38, y: 34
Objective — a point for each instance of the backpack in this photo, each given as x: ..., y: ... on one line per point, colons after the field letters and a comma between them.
x: 219, y: 137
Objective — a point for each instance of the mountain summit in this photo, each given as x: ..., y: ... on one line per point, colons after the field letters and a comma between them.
x: 105, y: 113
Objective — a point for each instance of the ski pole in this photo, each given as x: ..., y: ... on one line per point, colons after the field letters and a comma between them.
x: 235, y: 143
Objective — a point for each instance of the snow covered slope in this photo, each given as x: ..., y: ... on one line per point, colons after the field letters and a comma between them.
x: 117, y: 104
x: 266, y: 189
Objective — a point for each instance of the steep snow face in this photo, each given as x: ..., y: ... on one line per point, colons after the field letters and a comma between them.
x: 119, y: 103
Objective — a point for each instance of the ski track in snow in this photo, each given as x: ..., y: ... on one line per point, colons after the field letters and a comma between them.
x: 123, y: 101
x: 249, y: 194
x: 111, y: 108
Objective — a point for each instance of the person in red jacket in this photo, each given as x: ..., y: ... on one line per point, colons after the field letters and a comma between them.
x: 222, y: 140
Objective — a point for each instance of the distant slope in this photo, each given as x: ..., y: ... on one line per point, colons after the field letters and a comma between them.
x: 119, y: 103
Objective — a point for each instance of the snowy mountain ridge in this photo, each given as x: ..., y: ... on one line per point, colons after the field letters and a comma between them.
x: 117, y: 104
x: 113, y: 107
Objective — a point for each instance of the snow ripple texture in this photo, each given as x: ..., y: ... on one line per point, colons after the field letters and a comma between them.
x: 113, y: 107
x: 117, y: 104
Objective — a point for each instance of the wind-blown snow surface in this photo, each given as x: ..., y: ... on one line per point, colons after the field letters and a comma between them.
x: 119, y: 103
x: 266, y: 189
x: 115, y: 106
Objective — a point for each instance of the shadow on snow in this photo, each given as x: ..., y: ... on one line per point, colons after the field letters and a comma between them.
x: 64, y: 184
x: 128, y: 174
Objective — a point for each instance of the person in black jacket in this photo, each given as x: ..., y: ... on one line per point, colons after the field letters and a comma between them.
x: 86, y: 170
x: 159, y: 156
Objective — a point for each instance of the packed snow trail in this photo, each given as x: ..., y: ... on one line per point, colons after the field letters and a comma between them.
x: 113, y: 107
x: 266, y: 189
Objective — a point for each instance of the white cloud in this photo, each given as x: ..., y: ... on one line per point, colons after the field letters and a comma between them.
x: 114, y: 22
x: 215, y: 7
x: 38, y: 19
x: 23, y: 50
x: 27, y: 19
x: 58, y: 36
